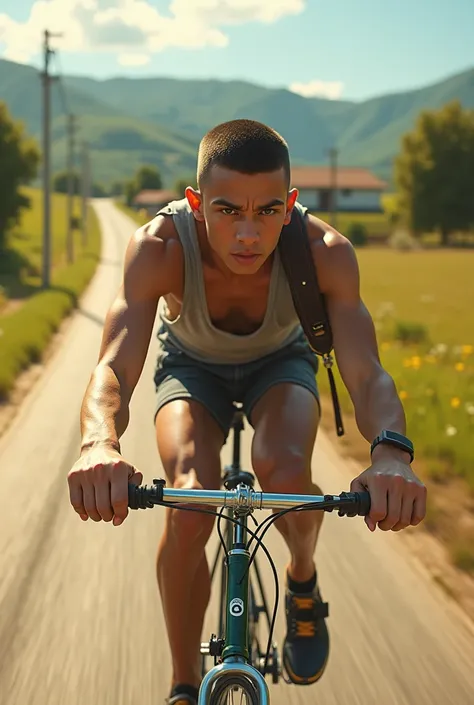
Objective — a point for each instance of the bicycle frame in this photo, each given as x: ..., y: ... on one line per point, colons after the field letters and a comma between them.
x: 235, y: 654
x: 234, y: 622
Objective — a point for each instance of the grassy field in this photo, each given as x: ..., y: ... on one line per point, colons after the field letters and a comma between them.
x: 421, y: 303
x: 140, y: 217
x: 28, y: 315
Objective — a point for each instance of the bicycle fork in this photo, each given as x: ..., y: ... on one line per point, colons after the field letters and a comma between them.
x: 235, y: 653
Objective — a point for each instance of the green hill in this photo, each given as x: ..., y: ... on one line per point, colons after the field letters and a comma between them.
x: 160, y: 120
x: 119, y: 143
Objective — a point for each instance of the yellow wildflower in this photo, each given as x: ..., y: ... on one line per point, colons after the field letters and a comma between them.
x: 403, y: 394
x: 455, y: 402
x: 459, y: 366
x: 416, y: 362
x: 467, y: 349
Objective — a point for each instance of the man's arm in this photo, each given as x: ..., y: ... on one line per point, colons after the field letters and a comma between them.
x: 372, y: 390
x: 398, y: 498
x: 151, y: 265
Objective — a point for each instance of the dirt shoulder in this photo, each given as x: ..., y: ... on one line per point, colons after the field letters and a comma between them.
x: 433, y: 542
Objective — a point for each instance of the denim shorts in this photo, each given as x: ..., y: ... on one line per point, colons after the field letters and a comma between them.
x: 218, y: 386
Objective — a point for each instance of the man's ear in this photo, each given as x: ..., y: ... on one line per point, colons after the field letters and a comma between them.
x: 290, y: 204
x: 195, y: 201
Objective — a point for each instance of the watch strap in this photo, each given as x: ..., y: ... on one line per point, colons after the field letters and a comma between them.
x: 395, y: 439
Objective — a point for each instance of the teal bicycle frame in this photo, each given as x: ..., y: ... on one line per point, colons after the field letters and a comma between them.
x: 243, y: 500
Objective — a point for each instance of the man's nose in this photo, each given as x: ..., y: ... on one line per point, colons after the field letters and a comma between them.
x: 247, y: 232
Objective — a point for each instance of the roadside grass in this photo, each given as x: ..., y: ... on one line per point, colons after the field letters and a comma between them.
x: 29, y: 315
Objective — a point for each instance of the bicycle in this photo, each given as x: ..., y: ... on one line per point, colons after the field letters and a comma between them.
x: 239, y: 663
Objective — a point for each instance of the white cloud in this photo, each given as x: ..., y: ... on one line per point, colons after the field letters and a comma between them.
x: 323, y: 89
x: 134, y: 27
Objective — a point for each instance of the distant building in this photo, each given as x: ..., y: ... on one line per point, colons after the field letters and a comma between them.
x: 358, y: 190
x: 152, y: 201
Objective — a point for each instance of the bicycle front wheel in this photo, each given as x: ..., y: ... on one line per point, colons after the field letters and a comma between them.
x: 234, y: 690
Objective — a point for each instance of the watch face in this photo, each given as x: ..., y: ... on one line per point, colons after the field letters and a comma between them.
x: 397, y: 437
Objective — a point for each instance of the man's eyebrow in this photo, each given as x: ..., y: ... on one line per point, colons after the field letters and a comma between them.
x: 274, y: 202
x: 227, y: 204
x: 224, y: 202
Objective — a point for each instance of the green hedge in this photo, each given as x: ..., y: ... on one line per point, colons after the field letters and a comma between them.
x: 25, y: 333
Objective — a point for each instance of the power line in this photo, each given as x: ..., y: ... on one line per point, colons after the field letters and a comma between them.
x: 333, y: 154
x: 61, y: 85
x: 46, y: 80
x: 86, y: 186
x: 71, y: 126
x: 71, y: 186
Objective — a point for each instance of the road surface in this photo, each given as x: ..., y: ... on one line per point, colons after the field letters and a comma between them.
x: 80, y: 617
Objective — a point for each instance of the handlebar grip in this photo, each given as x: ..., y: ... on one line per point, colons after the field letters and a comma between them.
x: 134, y: 496
x: 145, y: 497
x: 363, y: 503
x: 353, y: 504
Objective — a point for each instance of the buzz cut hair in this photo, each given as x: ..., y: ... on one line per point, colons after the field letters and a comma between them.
x: 242, y: 145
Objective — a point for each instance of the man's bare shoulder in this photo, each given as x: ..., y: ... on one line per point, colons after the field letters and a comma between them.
x: 155, y: 256
x: 333, y: 254
x: 158, y: 235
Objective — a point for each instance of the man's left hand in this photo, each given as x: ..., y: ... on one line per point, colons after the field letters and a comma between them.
x: 397, y: 496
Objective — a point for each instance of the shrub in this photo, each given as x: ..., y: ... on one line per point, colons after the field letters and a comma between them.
x: 410, y: 333
x: 357, y: 234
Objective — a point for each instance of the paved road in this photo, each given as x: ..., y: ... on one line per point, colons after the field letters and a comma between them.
x: 80, y: 618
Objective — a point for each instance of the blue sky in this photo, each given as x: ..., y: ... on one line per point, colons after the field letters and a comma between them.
x: 338, y: 48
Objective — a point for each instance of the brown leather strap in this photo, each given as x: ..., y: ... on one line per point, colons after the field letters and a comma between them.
x: 335, y: 402
x: 297, y: 260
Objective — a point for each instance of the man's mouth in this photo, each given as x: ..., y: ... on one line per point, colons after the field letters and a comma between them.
x: 246, y: 257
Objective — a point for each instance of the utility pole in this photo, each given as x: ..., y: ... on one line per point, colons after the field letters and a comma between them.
x: 71, y: 184
x: 47, y: 79
x: 85, y: 183
x: 333, y: 153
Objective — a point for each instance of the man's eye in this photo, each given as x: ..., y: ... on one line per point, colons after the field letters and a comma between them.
x: 268, y: 211
x: 227, y: 211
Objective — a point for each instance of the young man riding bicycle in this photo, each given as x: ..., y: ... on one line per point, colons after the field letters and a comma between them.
x: 229, y: 332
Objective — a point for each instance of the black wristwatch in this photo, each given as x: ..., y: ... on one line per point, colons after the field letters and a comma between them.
x: 395, y: 439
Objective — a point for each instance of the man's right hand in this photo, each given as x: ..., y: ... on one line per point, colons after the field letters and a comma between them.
x: 98, y: 485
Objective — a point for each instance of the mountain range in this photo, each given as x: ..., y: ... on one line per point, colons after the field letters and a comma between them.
x: 159, y: 121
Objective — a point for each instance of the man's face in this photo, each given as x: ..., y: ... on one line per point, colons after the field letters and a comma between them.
x: 244, y: 215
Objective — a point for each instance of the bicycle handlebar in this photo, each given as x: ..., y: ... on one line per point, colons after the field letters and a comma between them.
x: 247, y: 499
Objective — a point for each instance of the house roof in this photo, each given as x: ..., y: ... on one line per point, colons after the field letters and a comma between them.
x: 316, y: 177
x: 149, y: 197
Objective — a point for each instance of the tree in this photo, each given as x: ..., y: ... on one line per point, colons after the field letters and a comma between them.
x: 60, y: 182
x: 60, y: 185
x: 182, y: 183
x: 19, y: 160
x: 117, y: 188
x: 434, y: 172
x: 146, y: 178
x: 98, y: 190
